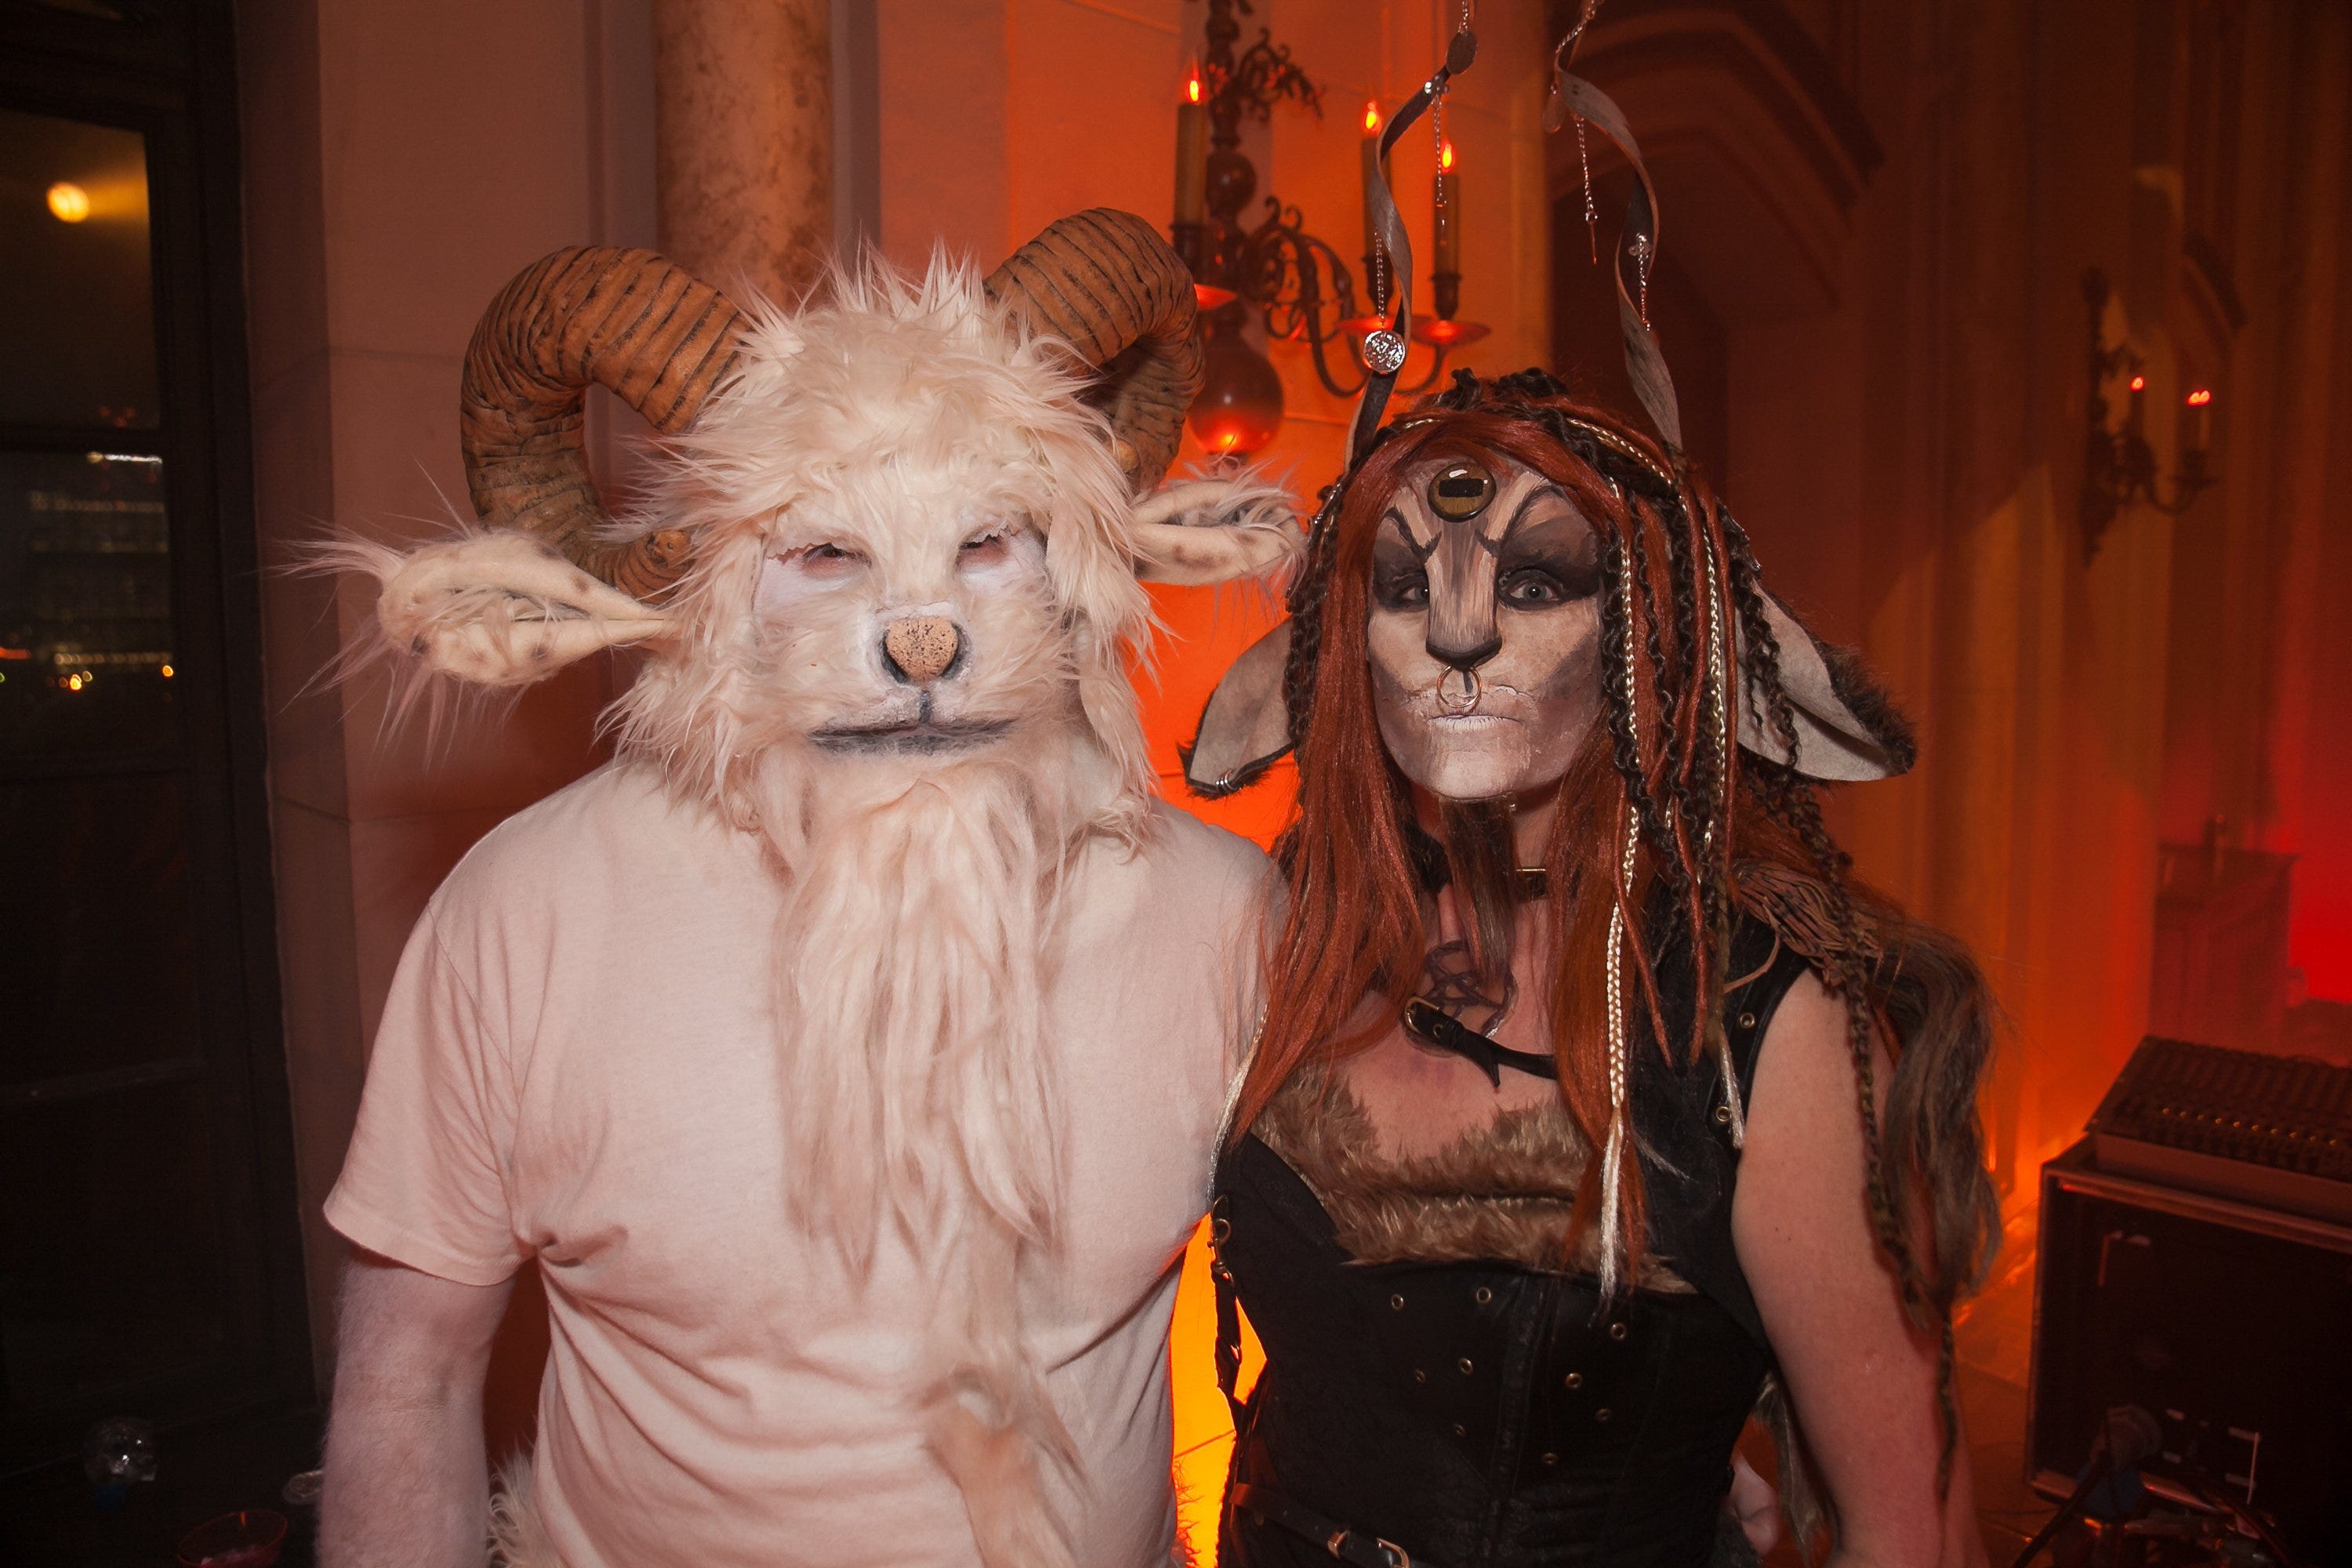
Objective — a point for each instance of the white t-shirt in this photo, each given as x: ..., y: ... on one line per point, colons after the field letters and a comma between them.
x: 576, y: 1064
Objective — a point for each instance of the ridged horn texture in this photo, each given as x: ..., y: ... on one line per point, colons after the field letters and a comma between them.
x: 1105, y: 283
x: 630, y: 320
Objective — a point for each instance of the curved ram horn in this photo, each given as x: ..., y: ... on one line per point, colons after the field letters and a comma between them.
x: 1105, y: 283
x: 630, y: 320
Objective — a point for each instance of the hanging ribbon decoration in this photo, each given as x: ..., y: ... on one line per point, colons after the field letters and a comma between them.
x: 1573, y: 97
x: 1637, y: 253
x: 1384, y: 351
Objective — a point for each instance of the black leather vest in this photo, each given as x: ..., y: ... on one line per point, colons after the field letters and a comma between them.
x: 1488, y: 1415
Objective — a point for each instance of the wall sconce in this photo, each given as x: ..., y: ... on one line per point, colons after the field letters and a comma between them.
x: 1294, y: 279
x: 2119, y: 465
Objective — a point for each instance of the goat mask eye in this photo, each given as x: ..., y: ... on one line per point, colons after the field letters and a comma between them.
x: 1482, y: 629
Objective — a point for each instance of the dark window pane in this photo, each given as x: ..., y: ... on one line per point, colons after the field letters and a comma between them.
x: 85, y: 604
x: 95, y: 966
x: 110, y: 1263
x: 77, y: 308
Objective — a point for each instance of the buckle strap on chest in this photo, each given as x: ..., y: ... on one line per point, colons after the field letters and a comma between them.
x: 1426, y: 1020
x: 1343, y: 1544
x: 1229, y: 1312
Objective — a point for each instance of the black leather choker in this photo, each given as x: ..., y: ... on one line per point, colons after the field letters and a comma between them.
x: 1431, y: 1023
x: 1429, y: 864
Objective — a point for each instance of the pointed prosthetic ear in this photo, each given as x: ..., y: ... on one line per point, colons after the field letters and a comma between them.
x: 504, y: 609
x: 1215, y: 530
x: 1848, y: 728
x: 1245, y: 728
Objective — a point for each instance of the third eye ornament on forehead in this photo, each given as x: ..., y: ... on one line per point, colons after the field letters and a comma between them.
x: 1460, y: 491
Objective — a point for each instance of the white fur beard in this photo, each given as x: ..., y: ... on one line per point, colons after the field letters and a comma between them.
x: 915, y: 953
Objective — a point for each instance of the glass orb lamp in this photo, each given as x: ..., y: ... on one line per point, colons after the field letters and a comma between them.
x: 1240, y: 404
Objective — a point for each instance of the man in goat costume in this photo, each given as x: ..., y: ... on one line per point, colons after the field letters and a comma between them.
x: 849, y: 1052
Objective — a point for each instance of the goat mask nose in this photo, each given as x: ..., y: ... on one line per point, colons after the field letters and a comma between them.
x: 920, y: 648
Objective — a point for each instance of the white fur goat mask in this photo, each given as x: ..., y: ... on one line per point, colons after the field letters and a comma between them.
x: 904, y: 449
x: 886, y: 584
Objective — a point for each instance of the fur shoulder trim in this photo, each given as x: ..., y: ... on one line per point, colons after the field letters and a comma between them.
x: 1799, y: 909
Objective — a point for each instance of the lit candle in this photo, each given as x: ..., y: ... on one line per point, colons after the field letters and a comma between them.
x: 1446, y: 221
x: 2200, y: 420
x: 1371, y: 171
x: 1191, y: 151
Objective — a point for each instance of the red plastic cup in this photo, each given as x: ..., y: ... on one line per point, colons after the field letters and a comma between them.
x: 249, y: 1539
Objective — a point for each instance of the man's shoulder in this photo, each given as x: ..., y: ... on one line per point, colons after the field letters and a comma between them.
x: 1189, y: 873
x: 611, y: 828
x: 1183, y: 847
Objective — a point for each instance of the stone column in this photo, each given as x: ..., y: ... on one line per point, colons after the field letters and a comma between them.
x: 744, y: 128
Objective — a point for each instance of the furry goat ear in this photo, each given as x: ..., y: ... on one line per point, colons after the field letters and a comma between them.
x: 503, y: 609
x: 1848, y: 728
x: 1245, y: 728
x: 1215, y: 530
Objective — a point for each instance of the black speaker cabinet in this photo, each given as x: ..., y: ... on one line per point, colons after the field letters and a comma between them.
x: 2229, y: 1323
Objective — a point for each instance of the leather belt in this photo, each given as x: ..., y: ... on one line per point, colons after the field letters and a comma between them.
x: 1347, y: 1545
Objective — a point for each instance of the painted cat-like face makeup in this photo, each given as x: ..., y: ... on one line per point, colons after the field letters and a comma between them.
x: 1483, y: 629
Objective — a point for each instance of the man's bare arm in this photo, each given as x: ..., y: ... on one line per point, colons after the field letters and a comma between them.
x: 406, y: 1483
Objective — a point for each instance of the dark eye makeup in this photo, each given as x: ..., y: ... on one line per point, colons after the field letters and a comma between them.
x: 1403, y: 590
x: 1399, y: 580
x: 1532, y: 588
x: 1548, y: 562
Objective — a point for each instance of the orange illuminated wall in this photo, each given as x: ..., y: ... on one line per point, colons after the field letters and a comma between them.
x: 1205, y: 630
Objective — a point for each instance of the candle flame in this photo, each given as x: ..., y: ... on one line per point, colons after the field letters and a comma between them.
x: 2201, y: 397
x: 68, y: 202
x: 1445, y: 158
x: 1193, y: 84
x: 2139, y: 384
x: 1371, y: 115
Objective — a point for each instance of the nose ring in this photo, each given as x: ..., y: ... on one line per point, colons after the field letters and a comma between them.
x: 1458, y: 691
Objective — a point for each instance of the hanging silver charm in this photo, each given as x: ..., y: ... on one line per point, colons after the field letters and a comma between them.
x: 1384, y: 352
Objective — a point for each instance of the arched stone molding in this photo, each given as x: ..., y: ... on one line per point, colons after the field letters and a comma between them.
x: 1758, y: 149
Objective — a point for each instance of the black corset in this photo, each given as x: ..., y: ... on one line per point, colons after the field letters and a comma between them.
x: 1483, y: 1414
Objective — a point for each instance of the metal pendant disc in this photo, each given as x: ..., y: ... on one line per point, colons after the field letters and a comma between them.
x: 1384, y: 352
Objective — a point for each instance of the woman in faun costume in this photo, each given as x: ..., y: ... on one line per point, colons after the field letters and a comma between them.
x: 1594, y: 1106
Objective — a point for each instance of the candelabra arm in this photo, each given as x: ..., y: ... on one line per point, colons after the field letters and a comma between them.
x: 1436, y: 368
x: 1315, y: 341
